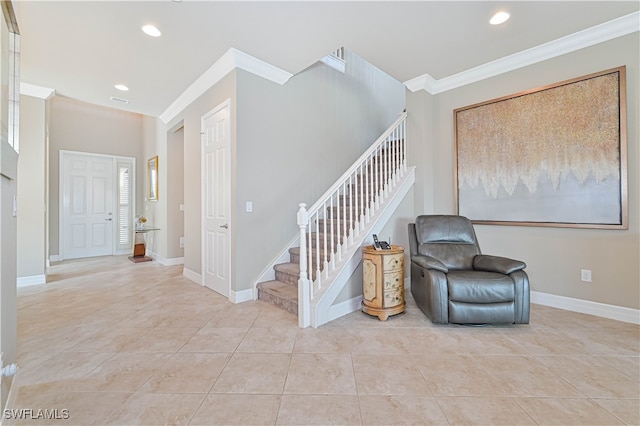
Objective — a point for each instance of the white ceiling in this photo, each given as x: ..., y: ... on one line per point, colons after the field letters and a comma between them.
x: 82, y: 48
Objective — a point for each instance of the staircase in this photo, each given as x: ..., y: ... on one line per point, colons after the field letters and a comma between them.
x: 315, y: 267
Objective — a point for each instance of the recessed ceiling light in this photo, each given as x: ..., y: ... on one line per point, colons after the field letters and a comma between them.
x: 121, y: 87
x: 499, y: 18
x: 151, y: 30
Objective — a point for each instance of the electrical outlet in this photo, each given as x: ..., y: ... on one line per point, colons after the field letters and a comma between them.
x: 181, y: 242
x: 585, y: 275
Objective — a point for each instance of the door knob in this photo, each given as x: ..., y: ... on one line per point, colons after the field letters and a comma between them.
x: 225, y: 226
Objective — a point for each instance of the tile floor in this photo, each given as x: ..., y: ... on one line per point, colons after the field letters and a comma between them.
x: 112, y: 342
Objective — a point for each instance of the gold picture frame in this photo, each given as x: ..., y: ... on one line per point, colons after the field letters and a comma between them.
x: 552, y: 156
x: 152, y: 179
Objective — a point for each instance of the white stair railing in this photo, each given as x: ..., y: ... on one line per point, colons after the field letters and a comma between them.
x: 329, y: 228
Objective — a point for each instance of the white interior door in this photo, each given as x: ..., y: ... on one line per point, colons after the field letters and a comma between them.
x: 87, y: 218
x: 216, y: 199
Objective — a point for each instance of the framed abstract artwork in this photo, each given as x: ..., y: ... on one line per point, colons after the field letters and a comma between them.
x: 551, y: 156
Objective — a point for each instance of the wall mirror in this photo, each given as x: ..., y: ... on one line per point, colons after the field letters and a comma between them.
x: 152, y: 178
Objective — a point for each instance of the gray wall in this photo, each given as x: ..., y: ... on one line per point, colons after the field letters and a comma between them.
x: 554, y: 255
x: 175, y: 192
x: 78, y: 126
x: 31, y: 188
x: 294, y: 141
x: 190, y: 117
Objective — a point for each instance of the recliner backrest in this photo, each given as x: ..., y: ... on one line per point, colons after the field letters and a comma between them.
x: 450, y: 239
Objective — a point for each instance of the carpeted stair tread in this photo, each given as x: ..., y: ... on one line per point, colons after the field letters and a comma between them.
x: 279, y: 294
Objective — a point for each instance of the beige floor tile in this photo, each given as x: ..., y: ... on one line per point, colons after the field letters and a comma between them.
x: 593, y: 377
x: 227, y: 409
x: 550, y: 411
x: 161, y: 339
x: 64, y: 371
x: 319, y: 410
x: 120, y: 343
x: 73, y: 408
x: 186, y: 373
x: 457, y: 375
x: 158, y: 409
x: 628, y: 365
x: 483, y: 411
x: 627, y: 410
x: 378, y: 341
x: 124, y: 372
x: 321, y: 374
x: 388, y: 374
x: 268, y: 340
x: 254, y: 373
x: 324, y: 340
x: 401, y: 410
x: 109, y: 340
x: 215, y: 339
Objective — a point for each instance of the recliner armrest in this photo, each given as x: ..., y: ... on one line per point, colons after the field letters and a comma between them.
x: 429, y: 262
x: 504, y: 265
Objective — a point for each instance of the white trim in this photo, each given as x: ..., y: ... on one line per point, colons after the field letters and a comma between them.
x: 167, y: 262
x: 241, y: 296
x: 12, y: 396
x: 334, y: 62
x: 344, y: 308
x: 191, y: 275
x: 606, y: 31
x: 36, y: 91
x: 32, y: 280
x: 228, y: 62
x: 114, y: 169
x: 618, y: 313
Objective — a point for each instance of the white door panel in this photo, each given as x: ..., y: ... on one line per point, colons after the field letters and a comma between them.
x: 216, y: 199
x: 87, y: 205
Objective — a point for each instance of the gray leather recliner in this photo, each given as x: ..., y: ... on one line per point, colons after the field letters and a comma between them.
x: 452, y: 282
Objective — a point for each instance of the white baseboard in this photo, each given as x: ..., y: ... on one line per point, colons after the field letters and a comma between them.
x: 167, y: 262
x: 193, y: 276
x: 344, y: 308
x: 241, y: 296
x: 617, y: 313
x: 55, y: 258
x: 32, y: 280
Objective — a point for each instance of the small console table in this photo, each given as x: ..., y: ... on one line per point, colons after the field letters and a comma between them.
x: 140, y: 244
x: 383, y: 281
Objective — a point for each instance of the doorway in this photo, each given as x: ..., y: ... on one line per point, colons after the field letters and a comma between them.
x: 216, y: 198
x: 96, y: 204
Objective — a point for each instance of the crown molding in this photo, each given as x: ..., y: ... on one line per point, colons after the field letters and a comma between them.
x: 36, y: 91
x: 231, y: 60
x: 598, y: 34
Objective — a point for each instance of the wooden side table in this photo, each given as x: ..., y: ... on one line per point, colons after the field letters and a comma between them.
x: 383, y: 281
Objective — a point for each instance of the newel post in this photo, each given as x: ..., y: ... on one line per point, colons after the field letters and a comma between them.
x: 304, y: 285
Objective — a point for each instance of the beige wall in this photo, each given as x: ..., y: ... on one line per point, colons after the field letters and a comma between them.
x: 78, y: 126
x: 31, y: 189
x: 175, y: 192
x: 554, y: 255
x: 294, y: 141
x: 190, y: 118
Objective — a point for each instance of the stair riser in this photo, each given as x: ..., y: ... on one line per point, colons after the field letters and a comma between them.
x: 286, y: 277
x: 288, y: 305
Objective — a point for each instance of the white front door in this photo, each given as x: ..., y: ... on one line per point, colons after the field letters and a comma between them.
x: 216, y: 199
x: 87, y: 218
